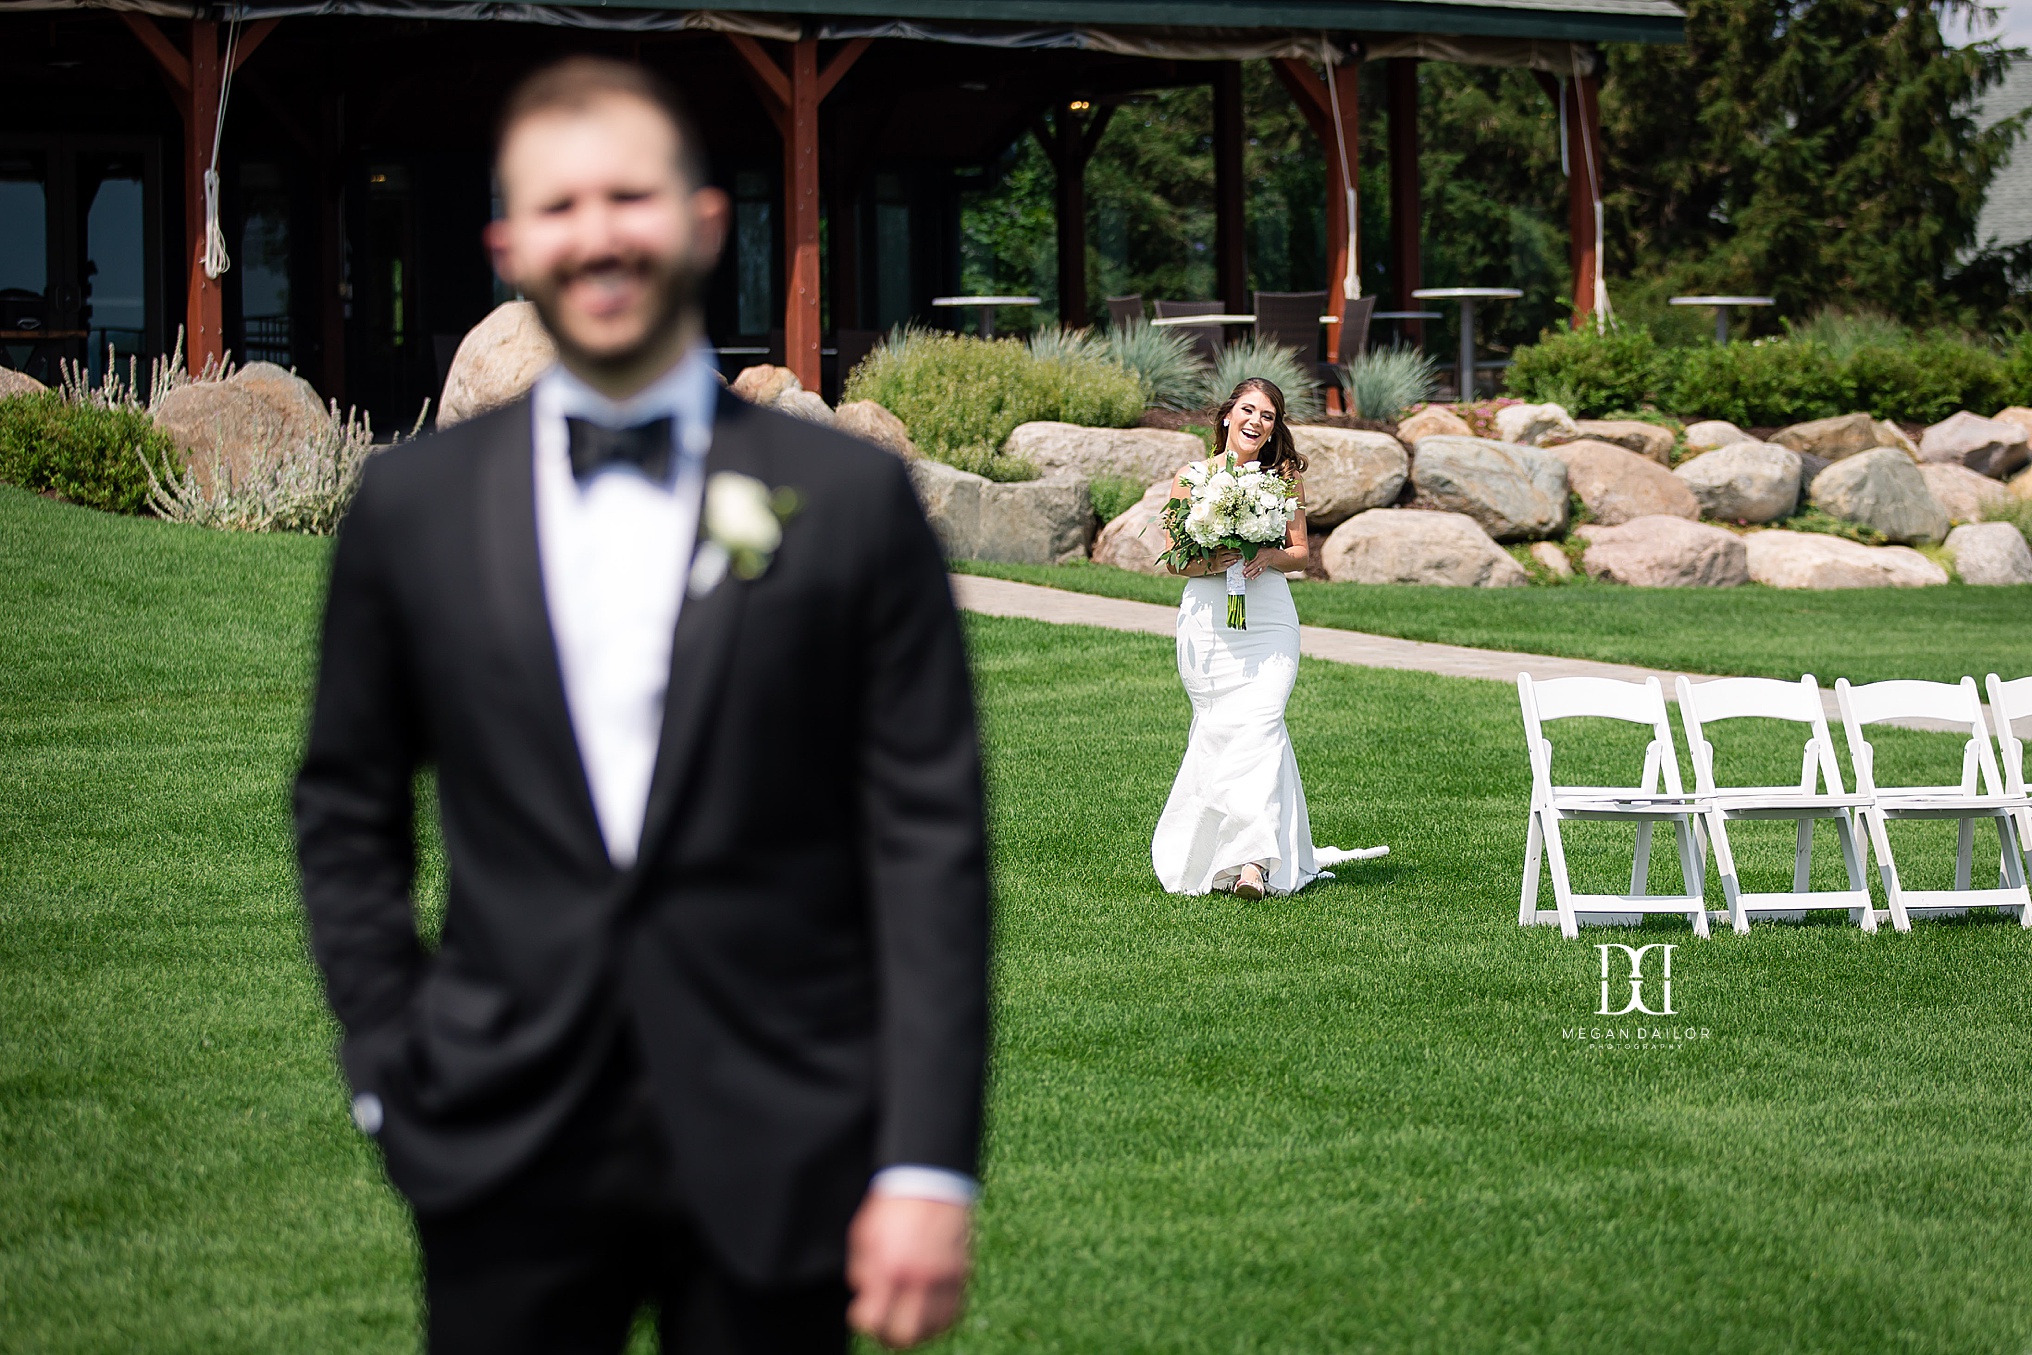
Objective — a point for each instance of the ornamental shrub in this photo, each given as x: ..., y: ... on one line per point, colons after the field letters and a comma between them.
x: 1282, y: 367
x: 1924, y: 381
x: 1384, y: 382
x: 85, y: 453
x: 1588, y: 373
x: 1173, y: 373
x: 1757, y: 384
x: 1114, y: 495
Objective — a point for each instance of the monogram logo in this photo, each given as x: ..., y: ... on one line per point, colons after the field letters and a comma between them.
x: 1636, y: 1003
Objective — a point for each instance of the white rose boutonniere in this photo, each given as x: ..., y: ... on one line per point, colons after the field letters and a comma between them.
x: 742, y: 526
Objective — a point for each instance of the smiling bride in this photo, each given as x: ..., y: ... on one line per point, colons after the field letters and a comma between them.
x: 1236, y: 819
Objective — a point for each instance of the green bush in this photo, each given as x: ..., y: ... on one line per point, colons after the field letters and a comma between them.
x: 85, y: 453
x: 962, y: 396
x: 1114, y: 495
x: 1757, y: 384
x: 1588, y: 373
x: 1926, y: 381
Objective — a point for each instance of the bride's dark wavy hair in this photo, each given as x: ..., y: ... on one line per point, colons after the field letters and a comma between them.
x: 1280, y: 453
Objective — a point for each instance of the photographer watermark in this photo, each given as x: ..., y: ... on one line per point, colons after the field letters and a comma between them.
x: 1650, y: 994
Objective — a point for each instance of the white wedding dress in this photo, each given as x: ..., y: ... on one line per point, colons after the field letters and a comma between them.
x: 1238, y: 798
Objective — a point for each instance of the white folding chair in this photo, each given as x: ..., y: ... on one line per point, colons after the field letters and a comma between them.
x: 1644, y: 804
x: 1979, y: 795
x: 2011, y: 701
x: 1819, y: 794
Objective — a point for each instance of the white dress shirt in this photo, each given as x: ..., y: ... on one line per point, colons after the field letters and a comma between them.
x: 615, y: 551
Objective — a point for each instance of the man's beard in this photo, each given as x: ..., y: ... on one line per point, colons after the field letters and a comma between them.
x: 676, y: 288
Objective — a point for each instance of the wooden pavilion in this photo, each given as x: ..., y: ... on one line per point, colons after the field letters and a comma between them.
x: 351, y: 157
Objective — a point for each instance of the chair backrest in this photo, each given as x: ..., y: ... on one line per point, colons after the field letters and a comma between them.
x: 1207, y: 340
x: 1705, y: 703
x: 1355, y: 318
x: 1291, y: 320
x: 1124, y: 311
x: 1641, y: 703
x: 2011, y: 701
x: 1955, y: 703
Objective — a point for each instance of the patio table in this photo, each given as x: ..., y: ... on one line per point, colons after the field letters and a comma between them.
x: 987, y: 305
x: 1721, y: 312
x: 1467, y: 297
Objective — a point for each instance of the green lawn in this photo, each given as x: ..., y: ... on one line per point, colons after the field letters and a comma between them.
x: 1865, y: 635
x: 1346, y: 1121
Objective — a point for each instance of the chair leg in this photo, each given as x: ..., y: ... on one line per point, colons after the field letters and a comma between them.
x: 1725, y: 866
x: 1562, y: 887
x: 1534, y: 843
x: 1802, y: 858
x: 1852, y: 862
x: 1692, y: 874
x: 1887, y: 868
x: 2014, y: 865
x: 1964, y: 854
x: 1640, y: 861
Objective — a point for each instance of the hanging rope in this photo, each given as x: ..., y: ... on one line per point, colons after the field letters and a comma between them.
x: 1587, y: 151
x: 1351, y: 285
x: 216, y: 260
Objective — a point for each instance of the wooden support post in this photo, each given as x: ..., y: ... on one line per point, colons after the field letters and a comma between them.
x: 1309, y: 91
x: 1231, y: 247
x: 1069, y: 141
x: 1406, y: 216
x: 1579, y: 105
x: 793, y: 99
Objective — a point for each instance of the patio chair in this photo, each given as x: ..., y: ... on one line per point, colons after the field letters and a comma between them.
x: 1819, y: 795
x: 1979, y: 796
x: 1291, y: 320
x: 1644, y: 803
x: 1124, y: 311
x: 2010, y: 701
x: 1207, y: 340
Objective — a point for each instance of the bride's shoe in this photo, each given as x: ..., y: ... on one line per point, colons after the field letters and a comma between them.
x: 1249, y: 884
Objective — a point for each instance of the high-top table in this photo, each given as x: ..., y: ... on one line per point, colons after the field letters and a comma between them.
x: 987, y: 305
x: 1721, y: 306
x: 1467, y: 297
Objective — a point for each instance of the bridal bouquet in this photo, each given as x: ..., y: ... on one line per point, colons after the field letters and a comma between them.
x: 1231, y: 507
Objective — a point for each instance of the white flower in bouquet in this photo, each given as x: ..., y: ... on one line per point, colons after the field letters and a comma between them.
x: 1229, y: 507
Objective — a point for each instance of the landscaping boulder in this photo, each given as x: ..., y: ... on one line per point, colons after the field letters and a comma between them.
x: 1348, y: 471
x: 1964, y: 494
x: 1813, y: 560
x: 1884, y: 490
x: 1664, y: 552
x: 1993, y: 447
x: 18, y: 383
x: 1399, y: 545
x: 762, y: 384
x: 803, y: 404
x: 2021, y: 485
x: 1535, y: 424
x: 1619, y: 486
x: 1709, y: 434
x: 1842, y: 436
x: 1433, y: 420
x: 1552, y: 559
x: 1744, y: 481
x: 1990, y: 553
x: 2016, y: 414
x: 1513, y: 491
x: 294, y: 400
x: 1647, y: 440
x: 871, y: 422
x: 1135, y: 539
x: 1139, y: 454
x: 497, y: 361
x: 246, y: 425
x: 1035, y: 522
x: 1810, y: 467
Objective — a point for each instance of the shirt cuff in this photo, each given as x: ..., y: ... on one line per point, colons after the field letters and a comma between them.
x: 912, y: 1182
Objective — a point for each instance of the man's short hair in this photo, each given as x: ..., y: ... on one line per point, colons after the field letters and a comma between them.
x: 578, y: 82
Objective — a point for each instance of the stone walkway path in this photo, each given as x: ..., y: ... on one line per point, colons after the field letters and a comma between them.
x: 1001, y: 597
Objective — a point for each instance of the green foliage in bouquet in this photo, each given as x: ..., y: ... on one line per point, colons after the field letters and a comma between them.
x: 85, y: 453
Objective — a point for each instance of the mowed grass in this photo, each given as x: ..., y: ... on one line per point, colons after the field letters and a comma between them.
x: 1350, y: 1120
x: 1864, y: 635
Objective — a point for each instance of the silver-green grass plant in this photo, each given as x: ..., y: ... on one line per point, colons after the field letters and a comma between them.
x: 1384, y: 382
x: 1254, y: 357
x: 1173, y: 375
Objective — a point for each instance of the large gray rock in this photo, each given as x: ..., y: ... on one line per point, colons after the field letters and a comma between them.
x: 18, y: 383
x: 1035, y: 522
x: 1140, y: 454
x: 764, y: 383
x: 1990, y: 553
x: 1882, y: 489
x: 1135, y: 539
x: 1348, y: 472
x: 1514, y: 492
x: 803, y: 404
x: 1993, y: 447
x: 1967, y: 496
x: 1709, y: 434
x: 1744, y: 481
x: 2017, y: 415
x: 1836, y: 439
x: 244, y: 426
x: 874, y: 423
x: 1537, y: 425
x: 1434, y: 421
x: 1814, y: 560
x: 1399, y: 545
x: 1620, y: 486
x: 1647, y: 440
x: 1665, y: 552
x: 499, y: 358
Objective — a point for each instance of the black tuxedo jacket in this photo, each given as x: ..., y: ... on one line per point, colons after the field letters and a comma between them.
x: 800, y: 949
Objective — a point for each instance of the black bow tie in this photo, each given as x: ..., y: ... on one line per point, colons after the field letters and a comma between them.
x: 646, y: 447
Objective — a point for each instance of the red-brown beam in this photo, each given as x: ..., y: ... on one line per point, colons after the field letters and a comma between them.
x: 1309, y: 91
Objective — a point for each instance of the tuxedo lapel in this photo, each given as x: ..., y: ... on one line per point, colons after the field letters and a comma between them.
x: 512, y: 582
x: 706, y: 627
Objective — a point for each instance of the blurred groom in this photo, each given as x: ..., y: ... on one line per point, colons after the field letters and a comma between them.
x: 705, y: 1025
